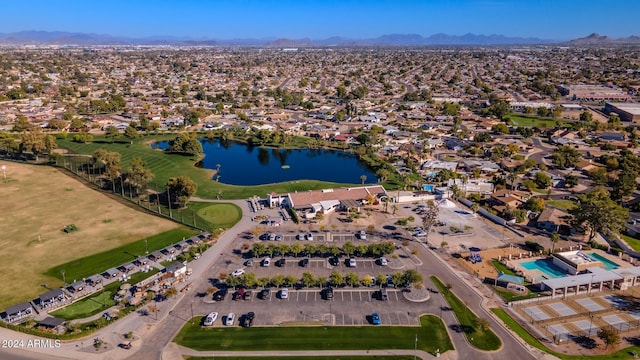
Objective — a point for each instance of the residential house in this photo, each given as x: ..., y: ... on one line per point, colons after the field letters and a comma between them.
x: 18, y: 313
x: 553, y: 220
x: 503, y: 199
x: 51, y: 298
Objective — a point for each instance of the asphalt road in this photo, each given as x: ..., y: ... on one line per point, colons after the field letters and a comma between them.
x: 511, y: 348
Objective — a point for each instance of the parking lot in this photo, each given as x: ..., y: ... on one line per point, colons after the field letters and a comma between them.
x: 348, y: 307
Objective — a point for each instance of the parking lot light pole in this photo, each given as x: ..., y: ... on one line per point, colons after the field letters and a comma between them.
x: 415, y: 348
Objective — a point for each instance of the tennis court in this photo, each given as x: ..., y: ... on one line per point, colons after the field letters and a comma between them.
x: 589, y: 304
x: 561, y: 309
x: 536, y: 313
x: 586, y: 326
x: 558, y: 330
x: 616, y: 322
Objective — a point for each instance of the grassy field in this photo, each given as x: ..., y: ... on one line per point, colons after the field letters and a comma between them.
x: 99, y: 262
x: 631, y: 241
x: 165, y: 166
x: 483, y: 339
x: 37, y: 203
x: 533, y: 121
x: 562, y: 204
x: 432, y: 335
x: 533, y: 341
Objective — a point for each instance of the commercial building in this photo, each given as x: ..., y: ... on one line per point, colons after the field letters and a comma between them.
x: 626, y: 111
x: 593, y: 93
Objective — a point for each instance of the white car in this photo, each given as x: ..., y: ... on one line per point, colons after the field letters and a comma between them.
x: 210, y: 319
x: 383, y: 261
x: 266, y: 262
x: 352, y: 262
x: 231, y: 317
x: 284, y: 293
x: 301, y: 236
x: 362, y: 235
x: 310, y: 236
x: 420, y: 233
x: 238, y: 272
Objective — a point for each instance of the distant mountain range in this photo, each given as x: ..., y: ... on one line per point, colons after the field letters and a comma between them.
x: 597, y: 39
x: 69, y: 38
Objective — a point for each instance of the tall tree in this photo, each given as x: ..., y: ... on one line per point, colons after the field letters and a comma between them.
x: 598, y: 213
x: 181, y: 189
x: 430, y: 217
x: 131, y: 133
x: 609, y: 335
x: 565, y: 156
x: 137, y: 174
x: 36, y: 142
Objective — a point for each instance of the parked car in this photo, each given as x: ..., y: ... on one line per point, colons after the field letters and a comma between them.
x: 210, y: 319
x: 220, y: 295
x: 279, y: 237
x: 352, y: 262
x: 362, y: 235
x: 375, y: 319
x: 231, y: 317
x: 383, y: 261
x: 266, y: 262
x: 247, y: 295
x: 304, y: 262
x: 238, y: 272
x: 248, y: 319
x: 281, y: 262
x: 390, y: 283
x: 419, y: 233
x: 328, y: 293
x: 272, y: 236
x: 300, y: 236
x: 249, y: 262
x: 284, y: 293
x: 310, y: 237
x: 264, y: 236
x: 384, y: 296
x: 239, y: 295
x: 265, y: 294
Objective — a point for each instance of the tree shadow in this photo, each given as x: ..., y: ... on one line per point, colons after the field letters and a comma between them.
x: 586, y: 342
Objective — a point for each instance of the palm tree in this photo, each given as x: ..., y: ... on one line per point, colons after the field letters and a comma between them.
x: 555, y: 237
x: 363, y: 178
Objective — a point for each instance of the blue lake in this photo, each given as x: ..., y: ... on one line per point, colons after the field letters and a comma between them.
x: 241, y: 164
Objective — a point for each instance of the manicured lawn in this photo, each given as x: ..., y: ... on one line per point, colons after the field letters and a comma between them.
x: 97, y: 263
x: 431, y: 334
x: 218, y: 215
x: 480, y: 338
x: 502, y: 268
x: 631, y: 241
x: 562, y: 204
x: 86, y: 307
x: 165, y: 166
x: 100, y: 301
x: 532, y: 121
x: 533, y: 341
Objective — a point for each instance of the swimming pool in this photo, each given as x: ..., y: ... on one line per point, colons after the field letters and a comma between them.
x: 608, y: 264
x: 544, y: 266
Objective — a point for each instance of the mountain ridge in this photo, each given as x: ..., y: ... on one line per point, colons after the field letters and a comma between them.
x: 438, y: 39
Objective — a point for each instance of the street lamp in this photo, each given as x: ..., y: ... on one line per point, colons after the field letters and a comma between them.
x: 4, y: 172
x: 415, y: 348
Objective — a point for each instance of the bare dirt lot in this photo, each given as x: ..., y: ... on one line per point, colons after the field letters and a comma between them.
x: 37, y: 203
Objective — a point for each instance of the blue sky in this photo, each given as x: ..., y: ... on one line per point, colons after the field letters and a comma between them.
x: 227, y: 19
